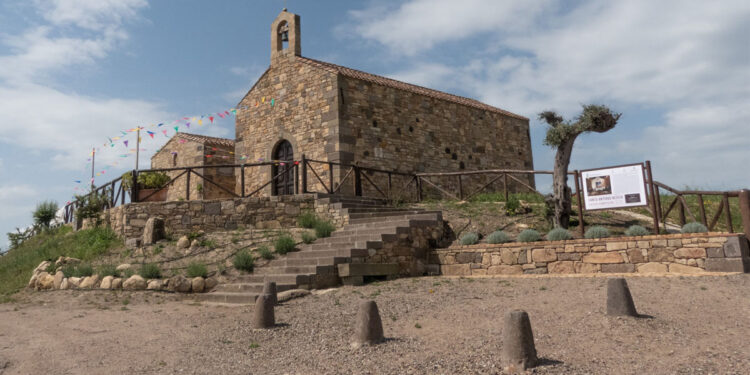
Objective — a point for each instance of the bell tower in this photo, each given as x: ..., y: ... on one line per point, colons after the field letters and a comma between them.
x: 285, y: 36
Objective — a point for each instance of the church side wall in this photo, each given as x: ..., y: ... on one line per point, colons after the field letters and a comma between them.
x: 189, y: 153
x: 305, y: 113
x: 393, y: 129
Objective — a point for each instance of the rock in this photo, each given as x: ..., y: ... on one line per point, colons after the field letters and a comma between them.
x: 619, y: 300
x: 66, y: 260
x: 106, y: 282
x: 369, y: 328
x: 603, y: 258
x: 154, y: 230
x: 652, y: 267
x: 74, y: 282
x: 516, y: 269
x: 135, y: 282
x: 179, y: 284
x: 210, y: 284
x: 543, y: 255
x: 45, y: 281
x: 198, y: 284
x: 263, y: 315
x: 59, y: 276
x: 518, y: 350
x: 690, y: 253
x: 560, y: 267
x: 117, y: 283
x: 195, y: 244
x: 65, y: 284
x: 133, y: 243
x: 291, y: 294
x: 89, y: 282
x: 183, y: 243
x: 42, y: 267
x: 124, y: 266
x: 154, y: 284
x: 679, y: 268
x: 586, y: 267
x: 32, y: 281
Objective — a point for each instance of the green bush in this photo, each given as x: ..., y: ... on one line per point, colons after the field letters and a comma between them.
x: 146, y: 180
x: 308, y: 237
x: 307, y: 220
x: 284, y: 244
x: 90, y: 206
x: 108, y: 270
x: 81, y: 270
x: 694, y: 227
x: 636, y: 230
x: 244, y: 261
x: 597, y: 232
x: 512, y: 205
x: 44, y: 213
x: 559, y: 234
x: 265, y: 253
x: 469, y: 239
x: 150, y: 271
x: 324, y: 229
x: 529, y: 235
x: 498, y: 237
x: 196, y: 269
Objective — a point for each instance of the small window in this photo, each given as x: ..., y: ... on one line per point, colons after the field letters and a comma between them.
x: 374, y: 123
x: 454, y: 156
x: 411, y: 129
x: 447, y: 150
x: 461, y: 165
x: 398, y: 130
x: 174, y: 159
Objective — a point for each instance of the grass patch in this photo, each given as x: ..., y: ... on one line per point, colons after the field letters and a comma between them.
x: 417, y: 326
x: 265, y: 253
x: 254, y: 345
x: 196, y: 269
x: 158, y: 249
x: 308, y: 238
x: 284, y: 244
x: 108, y: 270
x: 324, y: 229
x: 211, y: 244
x: 150, y: 271
x: 307, y: 219
x: 244, y: 261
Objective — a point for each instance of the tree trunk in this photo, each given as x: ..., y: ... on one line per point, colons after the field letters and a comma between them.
x: 560, y: 189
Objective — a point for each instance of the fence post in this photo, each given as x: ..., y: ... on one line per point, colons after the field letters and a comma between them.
x: 460, y: 188
x: 112, y: 196
x: 242, y: 180
x: 505, y: 185
x: 681, y: 210
x: 725, y: 202
x: 187, y: 184
x: 134, y: 187
x: 304, y: 174
x: 702, y: 210
x: 357, y: 181
x: 419, y: 188
x: 330, y: 178
x: 658, y: 207
x: 653, y: 197
x: 390, y: 187
x: 745, y: 211
x: 581, y: 227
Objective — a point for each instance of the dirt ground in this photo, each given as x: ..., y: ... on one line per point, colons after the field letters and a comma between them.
x: 434, y: 325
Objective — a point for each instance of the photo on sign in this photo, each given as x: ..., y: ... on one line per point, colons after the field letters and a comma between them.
x: 598, y: 185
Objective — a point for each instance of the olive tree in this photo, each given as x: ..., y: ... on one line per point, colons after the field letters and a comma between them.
x: 561, y: 135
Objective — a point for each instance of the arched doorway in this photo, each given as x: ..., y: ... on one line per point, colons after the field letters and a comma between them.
x: 284, y: 183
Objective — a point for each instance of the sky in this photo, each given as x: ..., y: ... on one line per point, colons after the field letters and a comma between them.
x: 76, y: 73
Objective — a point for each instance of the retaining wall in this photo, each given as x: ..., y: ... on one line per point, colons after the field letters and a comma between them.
x: 675, y: 253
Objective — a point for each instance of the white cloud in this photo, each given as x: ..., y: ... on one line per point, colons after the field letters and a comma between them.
x: 89, y: 14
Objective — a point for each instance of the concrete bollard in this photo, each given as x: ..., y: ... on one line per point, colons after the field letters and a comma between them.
x: 519, y: 352
x: 369, y: 329
x: 269, y: 287
x: 619, y: 300
x: 263, y: 316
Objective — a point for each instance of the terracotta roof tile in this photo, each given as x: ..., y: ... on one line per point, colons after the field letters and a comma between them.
x: 206, y: 139
x: 380, y: 80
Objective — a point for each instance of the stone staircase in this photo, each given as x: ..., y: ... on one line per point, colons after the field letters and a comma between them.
x: 372, y: 225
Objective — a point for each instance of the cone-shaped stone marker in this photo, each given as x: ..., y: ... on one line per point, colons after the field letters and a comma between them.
x: 263, y: 316
x: 369, y: 329
x: 519, y: 352
x: 619, y: 300
x: 269, y: 287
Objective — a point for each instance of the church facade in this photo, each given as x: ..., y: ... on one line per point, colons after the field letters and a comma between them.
x: 337, y: 114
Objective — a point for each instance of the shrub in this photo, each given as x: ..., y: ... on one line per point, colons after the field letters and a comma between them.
x: 512, y: 205
x: 44, y: 213
x: 265, y: 253
x: 324, y: 229
x: 90, y: 206
x: 597, y: 231
x: 498, y: 237
x: 308, y: 237
x: 84, y: 270
x: 694, y: 227
x: 196, y: 269
x: 284, y: 244
x: 211, y: 244
x: 307, y: 220
x: 146, y: 180
x: 529, y: 235
x: 244, y: 261
x: 469, y: 239
x: 636, y: 230
x: 150, y: 271
x: 108, y: 270
x: 559, y: 234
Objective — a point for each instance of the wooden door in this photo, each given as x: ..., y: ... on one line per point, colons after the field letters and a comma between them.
x: 284, y: 183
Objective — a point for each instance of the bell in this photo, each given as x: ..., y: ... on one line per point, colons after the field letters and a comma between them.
x: 285, y: 36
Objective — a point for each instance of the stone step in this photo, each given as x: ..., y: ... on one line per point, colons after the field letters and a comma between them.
x: 373, y: 210
x: 380, y: 216
x: 224, y: 297
x: 349, y: 205
x: 349, y: 239
x: 296, y: 279
x: 379, y: 222
x: 327, y: 253
x: 371, y: 244
x: 317, y: 261
x: 390, y: 229
x: 250, y: 287
x: 300, y: 270
x: 350, y: 199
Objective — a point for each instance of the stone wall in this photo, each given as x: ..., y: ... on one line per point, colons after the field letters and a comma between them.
x: 676, y: 253
x: 183, y: 217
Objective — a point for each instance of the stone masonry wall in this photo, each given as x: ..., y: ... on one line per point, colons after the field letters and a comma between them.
x: 677, y: 253
x: 183, y: 217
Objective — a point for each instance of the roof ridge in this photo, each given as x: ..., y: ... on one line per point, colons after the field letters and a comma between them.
x: 421, y: 90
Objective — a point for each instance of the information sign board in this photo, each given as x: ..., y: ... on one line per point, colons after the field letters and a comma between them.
x: 614, y: 187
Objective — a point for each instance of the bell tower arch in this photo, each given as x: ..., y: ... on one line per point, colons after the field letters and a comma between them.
x: 285, y: 36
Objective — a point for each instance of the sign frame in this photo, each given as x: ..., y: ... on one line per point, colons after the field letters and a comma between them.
x: 646, y: 202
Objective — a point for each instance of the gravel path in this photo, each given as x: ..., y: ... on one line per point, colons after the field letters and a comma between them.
x: 434, y: 325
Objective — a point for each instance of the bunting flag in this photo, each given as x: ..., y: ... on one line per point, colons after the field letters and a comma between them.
x: 165, y: 132
x: 176, y: 129
x: 151, y: 134
x: 125, y: 142
x: 211, y: 118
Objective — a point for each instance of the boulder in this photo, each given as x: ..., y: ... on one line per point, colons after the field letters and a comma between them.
x: 124, y: 266
x: 32, y: 281
x: 183, y: 242
x: 210, y: 284
x: 195, y: 244
x: 154, y: 284
x: 59, y: 276
x: 179, y: 284
x: 89, y: 282
x: 65, y: 284
x: 133, y: 243
x: 61, y: 261
x: 42, y: 267
x: 74, y: 282
x: 117, y: 283
x: 45, y: 281
x: 154, y: 230
x: 106, y: 282
x: 135, y: 282
x: 198, y: 284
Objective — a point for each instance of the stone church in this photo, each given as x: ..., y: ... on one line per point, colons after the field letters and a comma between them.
x: 333, y: 113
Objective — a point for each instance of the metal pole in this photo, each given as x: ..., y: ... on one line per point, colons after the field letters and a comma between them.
x: 653, y: 196
x: 242, y: 180
x: 93, y: 161
x: 745, y: 211
x: 304, y: 174
x: 581, y: 227
x: 137, y: 147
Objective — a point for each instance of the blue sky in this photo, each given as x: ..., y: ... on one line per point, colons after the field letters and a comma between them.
x: 73, y: 73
